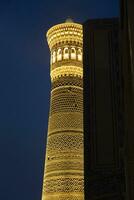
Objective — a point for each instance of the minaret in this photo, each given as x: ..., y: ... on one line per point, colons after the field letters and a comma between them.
x: 64, y: 173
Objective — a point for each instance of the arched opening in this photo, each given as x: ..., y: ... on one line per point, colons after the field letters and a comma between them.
x: 79, y: 54
x: 73, y: 53
x: 51, y: 60
x: 54, y: 57
x: 59, y: 55
x: 66, y: 53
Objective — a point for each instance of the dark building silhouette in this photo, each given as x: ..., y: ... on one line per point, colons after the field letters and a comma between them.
x: 103, y: 111
x: 127, y: 63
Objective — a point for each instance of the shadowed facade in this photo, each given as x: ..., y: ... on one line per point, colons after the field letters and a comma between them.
x: 103, y: 111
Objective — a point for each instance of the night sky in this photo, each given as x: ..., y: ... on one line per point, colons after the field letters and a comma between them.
x: 25, y: 86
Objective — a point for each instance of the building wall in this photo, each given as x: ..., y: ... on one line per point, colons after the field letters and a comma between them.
x: 103, y: 111
x: 127, y: 63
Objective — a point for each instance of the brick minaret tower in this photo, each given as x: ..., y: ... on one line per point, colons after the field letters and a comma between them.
x: 64, y: 173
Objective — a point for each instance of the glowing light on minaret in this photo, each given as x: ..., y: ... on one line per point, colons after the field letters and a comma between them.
x: 64, y: 173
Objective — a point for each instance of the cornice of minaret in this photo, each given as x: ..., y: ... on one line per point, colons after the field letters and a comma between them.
x: 65, y: 42
x: 64, y: 173
x: 68, y: 32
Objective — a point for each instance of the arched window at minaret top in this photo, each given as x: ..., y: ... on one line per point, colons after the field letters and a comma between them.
x: 59, y: 55
x: 54, y: 57
x: 51, y: 60
x: 73, y: 53
x: 79, y: 54
x: 66, y: 53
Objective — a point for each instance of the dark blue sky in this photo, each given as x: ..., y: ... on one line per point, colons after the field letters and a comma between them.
x: 25, y: 86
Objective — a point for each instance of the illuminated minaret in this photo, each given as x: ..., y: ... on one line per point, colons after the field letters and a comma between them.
x: 64, y: 173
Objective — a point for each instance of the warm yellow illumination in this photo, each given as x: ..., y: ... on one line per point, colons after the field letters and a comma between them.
x: 54, y: 57
x: 66, y: 53
x: 79, y: 54
x: 64, y: 168
x: 59, y: 55
x: 66, y: 71
x: 73, y: 53
x: 64, y: 34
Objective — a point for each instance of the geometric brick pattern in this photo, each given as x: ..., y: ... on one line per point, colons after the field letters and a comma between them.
x: 64, y: 173
x: 68, y: 80
x: 62, y: 165
x: 67, y: 101
x: 65, y: 142
x: 64, y: 185
x: 72, y: 196
x: 65, y: 121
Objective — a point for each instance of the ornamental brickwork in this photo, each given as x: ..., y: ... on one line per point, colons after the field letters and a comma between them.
x: 64, y: 170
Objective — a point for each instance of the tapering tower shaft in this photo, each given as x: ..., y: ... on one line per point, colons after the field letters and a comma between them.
x: 64, y: 173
